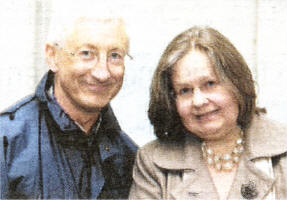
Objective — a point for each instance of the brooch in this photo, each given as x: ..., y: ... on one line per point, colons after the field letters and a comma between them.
x: 249, y: 191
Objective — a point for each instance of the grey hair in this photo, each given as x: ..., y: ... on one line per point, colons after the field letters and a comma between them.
x: 61, y: 26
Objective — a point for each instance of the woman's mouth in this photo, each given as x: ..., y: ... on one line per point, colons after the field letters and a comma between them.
x: 207, y: 115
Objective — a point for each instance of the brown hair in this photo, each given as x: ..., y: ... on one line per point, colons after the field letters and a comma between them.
x: 228, y: 64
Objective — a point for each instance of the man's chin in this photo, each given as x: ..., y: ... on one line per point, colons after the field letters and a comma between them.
x: 95, y: 104
x: 92, y: 108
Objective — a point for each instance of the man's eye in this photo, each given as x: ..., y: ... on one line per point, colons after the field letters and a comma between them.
x: 115, y: 55
x: 86, y: 54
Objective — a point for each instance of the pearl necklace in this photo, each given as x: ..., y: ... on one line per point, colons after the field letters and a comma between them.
x: 225, y: 162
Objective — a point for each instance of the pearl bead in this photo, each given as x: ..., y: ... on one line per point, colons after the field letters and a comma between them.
x: 218, y: 166
x: 227, y: 166
x: 216, y: 158
x: 226, y: 161
x: 204, y: 154
x: 236, y: 159
x: 209, y: 152
x: 235, y: 151
x: 227, y: 157
x: 210, y: 161
x: 241, y: 149
x: 239, y: 141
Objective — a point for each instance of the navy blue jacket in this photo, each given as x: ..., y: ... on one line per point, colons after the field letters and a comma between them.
x: 44, y: 154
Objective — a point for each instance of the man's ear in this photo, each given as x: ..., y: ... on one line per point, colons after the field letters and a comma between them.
x: 51, y: 57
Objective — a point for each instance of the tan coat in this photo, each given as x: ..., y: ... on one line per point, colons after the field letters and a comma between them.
x: 169, y: 170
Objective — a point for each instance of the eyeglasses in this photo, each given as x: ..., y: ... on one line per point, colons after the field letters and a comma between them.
x: 114, y: 57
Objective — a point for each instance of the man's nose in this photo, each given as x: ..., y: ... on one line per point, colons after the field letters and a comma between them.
x: 100, y: 70
x: 199, y: 98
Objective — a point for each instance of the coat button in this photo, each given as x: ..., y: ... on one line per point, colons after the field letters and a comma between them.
x: 107, y: 148
x: 12, y: 116
x: 249, y: 191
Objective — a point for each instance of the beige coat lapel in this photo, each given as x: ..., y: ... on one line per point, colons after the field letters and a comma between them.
x: 189, y: 177
x: 195, y: 180
x: 250, y: 182
x: 194, y: 185
x: 264, y: 139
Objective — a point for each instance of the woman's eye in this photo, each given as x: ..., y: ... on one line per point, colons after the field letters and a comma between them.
x: 185, y: 91
x: 210, y: 84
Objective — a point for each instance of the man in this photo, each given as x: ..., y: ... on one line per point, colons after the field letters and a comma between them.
x: 64, y: 141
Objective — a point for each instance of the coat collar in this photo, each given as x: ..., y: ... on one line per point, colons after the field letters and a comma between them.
x: 186, y: 157
x: 177, y: 155
x: 264, y: 138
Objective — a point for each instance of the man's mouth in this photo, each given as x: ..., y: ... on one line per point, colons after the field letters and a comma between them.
x: 97, y: 87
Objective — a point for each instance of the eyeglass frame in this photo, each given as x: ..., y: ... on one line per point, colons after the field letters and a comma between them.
x: 75, y: 53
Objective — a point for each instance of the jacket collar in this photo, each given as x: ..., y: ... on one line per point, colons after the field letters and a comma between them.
x: 185, y: 154
x: 265, y: 138
x: 49, y: 102
x: 262, y: 134
x: 102, y: 134
x: 186, y: 157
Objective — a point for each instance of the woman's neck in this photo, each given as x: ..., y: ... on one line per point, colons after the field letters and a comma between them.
x: 226, y: 144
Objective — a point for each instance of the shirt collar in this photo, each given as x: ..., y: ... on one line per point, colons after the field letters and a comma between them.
x: 45, y: 93
x: 70, y: 133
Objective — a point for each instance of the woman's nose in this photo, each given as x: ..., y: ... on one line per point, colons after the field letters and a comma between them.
x: 199, y: 98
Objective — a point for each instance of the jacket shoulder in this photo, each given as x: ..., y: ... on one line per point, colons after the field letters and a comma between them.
x: 157, y: 147
x: 20, y: 116
x: 18, y: 105
x: 267, y: 132
x: 267, y: 127
x: 150, y: 146
x: 128, y: 142
x: 157, y: 151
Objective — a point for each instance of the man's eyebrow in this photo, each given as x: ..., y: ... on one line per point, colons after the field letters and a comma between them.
x: 109, y: 47
x: 118, y: 49
x: 88, y: 45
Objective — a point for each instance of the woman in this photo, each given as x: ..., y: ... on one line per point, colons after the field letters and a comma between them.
x: 213, y: 143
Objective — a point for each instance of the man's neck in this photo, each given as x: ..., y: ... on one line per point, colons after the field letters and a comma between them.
x: 85, y: 120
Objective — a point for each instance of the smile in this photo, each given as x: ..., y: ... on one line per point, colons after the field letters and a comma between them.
x: 97, y: 87
x: 207, y: 116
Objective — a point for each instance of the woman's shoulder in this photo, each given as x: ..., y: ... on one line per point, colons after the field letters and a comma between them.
x: 157, y: 146
x: 171, y: 154
x: 267, y: 125
x: 268, y: 134
x: 148, y: 154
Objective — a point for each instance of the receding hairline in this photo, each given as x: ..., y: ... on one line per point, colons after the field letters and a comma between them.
x: 59, y: 32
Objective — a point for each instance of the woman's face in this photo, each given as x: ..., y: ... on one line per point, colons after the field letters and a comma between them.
x: 207, y: 108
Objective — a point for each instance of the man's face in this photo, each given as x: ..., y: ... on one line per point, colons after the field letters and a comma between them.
x: 89, y: 66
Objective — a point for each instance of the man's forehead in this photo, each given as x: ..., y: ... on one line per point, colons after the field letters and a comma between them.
x: 99, y: 33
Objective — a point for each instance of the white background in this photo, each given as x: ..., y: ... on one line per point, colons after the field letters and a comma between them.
x: 258, y: 28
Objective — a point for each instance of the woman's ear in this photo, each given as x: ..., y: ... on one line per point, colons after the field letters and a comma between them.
x: 51, y: 57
